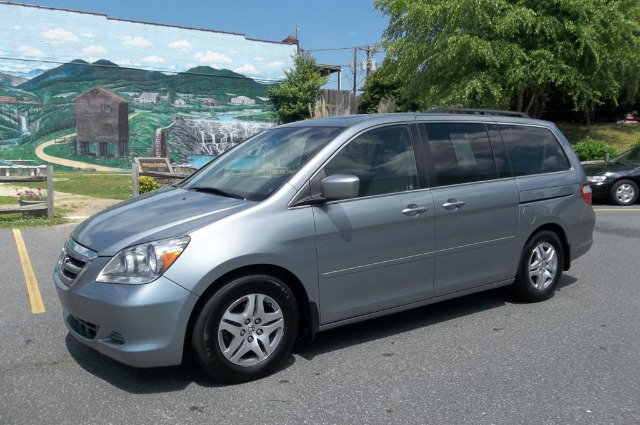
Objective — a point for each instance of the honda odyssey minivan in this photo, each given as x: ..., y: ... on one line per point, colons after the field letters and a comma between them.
x: 322, y: 223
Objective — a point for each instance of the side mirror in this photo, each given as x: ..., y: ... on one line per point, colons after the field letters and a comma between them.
x: 340, y: 186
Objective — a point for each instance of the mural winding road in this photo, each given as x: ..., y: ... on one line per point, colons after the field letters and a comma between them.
x: 69, y: 162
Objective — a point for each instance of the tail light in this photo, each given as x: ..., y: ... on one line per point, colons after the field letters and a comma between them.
x: 585, y: 191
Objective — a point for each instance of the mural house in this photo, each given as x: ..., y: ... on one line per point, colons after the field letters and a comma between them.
x: 102, y: 117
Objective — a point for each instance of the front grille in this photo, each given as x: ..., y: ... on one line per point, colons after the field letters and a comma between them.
x: 70, y: 268
x: 84, y: 328
x: 73, y: 261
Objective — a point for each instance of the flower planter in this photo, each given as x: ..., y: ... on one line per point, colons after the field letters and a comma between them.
x: 35, y: 213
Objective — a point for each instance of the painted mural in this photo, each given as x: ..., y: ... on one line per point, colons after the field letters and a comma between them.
x: 97, y: 90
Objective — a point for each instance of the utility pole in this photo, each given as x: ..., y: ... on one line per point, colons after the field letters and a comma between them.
x: 355, y: 71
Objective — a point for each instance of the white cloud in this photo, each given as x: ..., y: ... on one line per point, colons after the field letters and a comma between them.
x: 22, y: 68
x: 153, y: 59
x: 29, y: 51
x: 59, y: 36
x: 88, y: 35
x: 136, y: 41
x: 124, y: 62
x: 246, y: 69
x: 181, y: 45
x: 258, y: 59
x: 16, y: 27
x: 276, y: 65
x: 95, y: 49
x: 172, y: 67
x: 191, y: 65
x: 212, y: 57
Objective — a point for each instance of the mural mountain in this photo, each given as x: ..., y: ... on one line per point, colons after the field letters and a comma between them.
x: 79, y: 75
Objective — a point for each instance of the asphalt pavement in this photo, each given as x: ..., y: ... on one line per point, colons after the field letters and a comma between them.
x: 482, y: 359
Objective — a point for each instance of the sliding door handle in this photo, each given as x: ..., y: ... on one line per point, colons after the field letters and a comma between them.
x: 453, y: 204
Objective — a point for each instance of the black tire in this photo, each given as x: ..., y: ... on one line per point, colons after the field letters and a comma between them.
x: 624, y: 192
x: 534, y: 281
x: 210, y: 336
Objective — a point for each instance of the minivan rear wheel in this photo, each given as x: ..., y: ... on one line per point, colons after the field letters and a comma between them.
x: 540, y: 267
x: 246, y: 329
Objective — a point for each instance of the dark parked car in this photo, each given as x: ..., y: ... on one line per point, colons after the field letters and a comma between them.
x: 617, y: 179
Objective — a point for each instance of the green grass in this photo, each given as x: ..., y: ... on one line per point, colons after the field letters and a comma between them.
x: 620, y: 136
x: 16, y: 221
x: 8, y: 200
x: 96, y: 185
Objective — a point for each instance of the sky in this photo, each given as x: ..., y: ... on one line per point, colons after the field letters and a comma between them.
x: 329, y: 24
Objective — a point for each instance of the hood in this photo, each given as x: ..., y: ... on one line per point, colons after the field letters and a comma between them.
x: 611, y: 167
x: 163, y: 214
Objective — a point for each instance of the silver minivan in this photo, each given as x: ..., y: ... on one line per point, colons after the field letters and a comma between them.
x: 322, y: 223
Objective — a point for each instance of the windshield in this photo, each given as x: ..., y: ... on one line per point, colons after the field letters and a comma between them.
x: 632, y: 156
x: 256, y: 168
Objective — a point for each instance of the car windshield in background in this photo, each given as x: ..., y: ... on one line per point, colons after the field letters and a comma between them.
x: 630, y: 156
x: 258, y: 167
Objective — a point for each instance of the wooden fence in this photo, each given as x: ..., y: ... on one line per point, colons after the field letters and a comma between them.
x: 22, y: 173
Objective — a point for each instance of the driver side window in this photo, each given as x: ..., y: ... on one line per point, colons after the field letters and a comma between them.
x: 383, y: 160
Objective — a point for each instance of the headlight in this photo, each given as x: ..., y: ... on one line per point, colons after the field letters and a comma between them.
x: 596, y: 179
x: 143, y: 263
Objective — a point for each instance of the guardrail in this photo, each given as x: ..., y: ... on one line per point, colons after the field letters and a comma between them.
x: 23, y: 174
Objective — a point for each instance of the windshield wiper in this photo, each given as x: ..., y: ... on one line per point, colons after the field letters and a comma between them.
x: 216, y: 191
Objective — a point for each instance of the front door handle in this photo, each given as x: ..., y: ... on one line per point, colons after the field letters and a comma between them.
x: 413, y: 210
x: 453, y: 204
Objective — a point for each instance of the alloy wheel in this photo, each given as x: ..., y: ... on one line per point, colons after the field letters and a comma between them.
x: 250, y: 329
x: 543, y: 266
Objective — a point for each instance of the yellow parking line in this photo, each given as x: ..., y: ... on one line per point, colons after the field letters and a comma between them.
x: 35, y: 298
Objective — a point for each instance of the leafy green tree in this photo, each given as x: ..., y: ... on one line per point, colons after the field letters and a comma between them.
x: 512, y: 53
x: 296, y: 96
x: 384, y: 84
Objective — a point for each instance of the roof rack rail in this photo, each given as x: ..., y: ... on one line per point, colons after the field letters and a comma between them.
x: 477, y: 112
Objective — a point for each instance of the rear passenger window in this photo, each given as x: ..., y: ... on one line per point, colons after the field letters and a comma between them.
x: 382, y: 159
x: 461, y: 153
x: 533, y: 150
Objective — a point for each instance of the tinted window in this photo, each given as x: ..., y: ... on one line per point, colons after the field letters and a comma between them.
x: 383, y: 160
x: 461, y: 153
x: 533, y: 150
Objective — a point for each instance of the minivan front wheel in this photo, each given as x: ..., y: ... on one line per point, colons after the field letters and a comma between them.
x: 246, y: 329
x: 540, y: 267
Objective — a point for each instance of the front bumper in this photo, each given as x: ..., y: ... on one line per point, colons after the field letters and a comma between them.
x: 139, y: 325
x: 601, y: 190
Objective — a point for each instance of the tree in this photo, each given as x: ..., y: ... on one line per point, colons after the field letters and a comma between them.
x: 296, y: 96
x: 384, y: 84
x: 512, y: 53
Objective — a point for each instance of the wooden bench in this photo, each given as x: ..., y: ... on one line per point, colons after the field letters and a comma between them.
x: 24, y: 174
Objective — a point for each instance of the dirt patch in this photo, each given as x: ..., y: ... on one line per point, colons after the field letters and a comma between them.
x: 81, y: 206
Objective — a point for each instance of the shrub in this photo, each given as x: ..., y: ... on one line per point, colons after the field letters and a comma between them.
x: 147, y: 184
x: 635, y: 144
x: 590, y: 149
